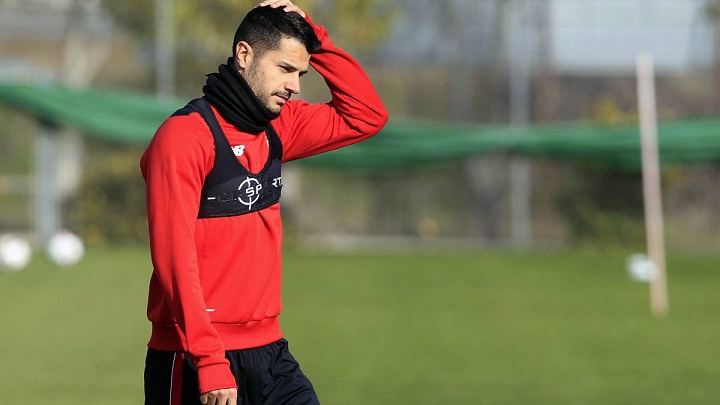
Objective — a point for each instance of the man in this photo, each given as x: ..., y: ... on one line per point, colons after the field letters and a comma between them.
x: 212, y: 174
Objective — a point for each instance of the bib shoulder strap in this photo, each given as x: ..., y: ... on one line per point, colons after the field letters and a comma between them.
x: 203, y: 108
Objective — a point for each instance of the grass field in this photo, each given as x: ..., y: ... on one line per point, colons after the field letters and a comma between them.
x: 416, y: 328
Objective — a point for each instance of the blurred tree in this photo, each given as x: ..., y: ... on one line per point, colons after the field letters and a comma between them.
x: 603, y: 207
x: 712, y: 8
x: 354, y: 24
x: 603, y: 204
x: 204, y: 30
x: 110, y: 207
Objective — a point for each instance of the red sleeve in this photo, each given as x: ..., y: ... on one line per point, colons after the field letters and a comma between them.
x: 174, y: 167
x: 355, y: 112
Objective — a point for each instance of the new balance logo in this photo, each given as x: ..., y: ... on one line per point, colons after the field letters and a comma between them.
x: 238, y: 150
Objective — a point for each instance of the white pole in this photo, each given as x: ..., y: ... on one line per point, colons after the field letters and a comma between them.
x: 652, y: 192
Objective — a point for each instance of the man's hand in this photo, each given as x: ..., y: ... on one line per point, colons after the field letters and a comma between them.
x: 289, y: 7
x: 227, y: 396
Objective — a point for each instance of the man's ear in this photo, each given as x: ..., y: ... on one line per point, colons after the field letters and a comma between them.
x: 243, y: 55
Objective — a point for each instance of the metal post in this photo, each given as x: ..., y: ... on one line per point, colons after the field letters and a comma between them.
x: 164, y: 48
x: 47, y: 203
x: 520, y: 186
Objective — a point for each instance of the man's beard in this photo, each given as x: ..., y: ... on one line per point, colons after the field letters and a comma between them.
x: 257, y: 88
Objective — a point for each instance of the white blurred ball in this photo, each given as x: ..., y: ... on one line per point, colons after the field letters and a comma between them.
x: 15, y: 253
x: 65, y: 248
x: 640, y: 268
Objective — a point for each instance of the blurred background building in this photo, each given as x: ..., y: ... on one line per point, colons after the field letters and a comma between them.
x: 513, y: 63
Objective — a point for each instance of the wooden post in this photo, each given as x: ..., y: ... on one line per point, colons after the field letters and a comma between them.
x: 651, y: 183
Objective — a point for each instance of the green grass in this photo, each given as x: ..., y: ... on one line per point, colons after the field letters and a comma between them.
x: 422, y: 328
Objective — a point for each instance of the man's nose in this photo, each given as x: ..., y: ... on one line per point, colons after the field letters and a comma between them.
x: 293, y: 85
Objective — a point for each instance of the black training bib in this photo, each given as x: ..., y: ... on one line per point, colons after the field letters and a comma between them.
x: 230, y: 189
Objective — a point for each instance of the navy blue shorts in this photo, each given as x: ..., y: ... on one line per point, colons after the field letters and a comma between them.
x: 266, y: 375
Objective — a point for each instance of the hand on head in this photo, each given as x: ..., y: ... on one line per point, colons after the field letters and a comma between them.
x: 289, y: 6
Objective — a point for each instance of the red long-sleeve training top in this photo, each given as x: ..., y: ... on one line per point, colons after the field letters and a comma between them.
x: 215, y: 284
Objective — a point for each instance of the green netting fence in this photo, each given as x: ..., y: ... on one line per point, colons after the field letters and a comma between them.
x: 132, y: 118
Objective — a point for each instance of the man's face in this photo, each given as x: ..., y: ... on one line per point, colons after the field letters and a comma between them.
x: 275, y: 76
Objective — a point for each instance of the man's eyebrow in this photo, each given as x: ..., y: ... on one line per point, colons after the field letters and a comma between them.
x: 290, y: 66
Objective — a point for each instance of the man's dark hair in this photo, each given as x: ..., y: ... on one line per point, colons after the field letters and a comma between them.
x: 264, y: 27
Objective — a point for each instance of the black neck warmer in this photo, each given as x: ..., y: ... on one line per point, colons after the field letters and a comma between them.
x: 228, y: 91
